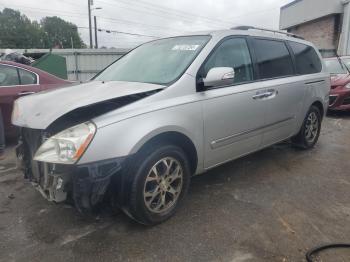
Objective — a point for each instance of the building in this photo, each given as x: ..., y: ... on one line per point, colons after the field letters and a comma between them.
x: 326, y: 23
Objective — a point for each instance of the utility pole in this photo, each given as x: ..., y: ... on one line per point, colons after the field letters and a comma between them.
x: 90, y: 27
x: 95, y: 24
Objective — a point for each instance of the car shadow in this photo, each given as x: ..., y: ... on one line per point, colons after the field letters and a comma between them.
x: 338, y: 114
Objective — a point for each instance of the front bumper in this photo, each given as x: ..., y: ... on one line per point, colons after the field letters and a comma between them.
x: 85, y: 184
x: 339, y: 99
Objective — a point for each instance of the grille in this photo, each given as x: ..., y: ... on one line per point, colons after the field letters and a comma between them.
x: 346, y: 101
x: 332, y: 100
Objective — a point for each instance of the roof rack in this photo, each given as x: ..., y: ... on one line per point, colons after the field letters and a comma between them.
x: 247, y: 27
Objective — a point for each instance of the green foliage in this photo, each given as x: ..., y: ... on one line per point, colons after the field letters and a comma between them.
x: 61, y: 33
x: 17, y: 31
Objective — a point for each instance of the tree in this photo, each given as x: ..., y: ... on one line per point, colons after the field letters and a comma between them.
x: 61, y: 33
x: 18, y: 31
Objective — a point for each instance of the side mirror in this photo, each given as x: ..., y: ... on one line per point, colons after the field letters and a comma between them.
x: 219, y: 76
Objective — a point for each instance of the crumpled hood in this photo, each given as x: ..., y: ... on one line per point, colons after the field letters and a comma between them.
x: 38, y: 111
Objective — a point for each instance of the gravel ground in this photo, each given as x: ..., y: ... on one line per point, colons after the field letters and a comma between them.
x: 273, y: 205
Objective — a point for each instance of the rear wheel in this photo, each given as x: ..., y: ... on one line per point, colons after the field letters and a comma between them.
x: 310, y: 130
x: 160, y: 183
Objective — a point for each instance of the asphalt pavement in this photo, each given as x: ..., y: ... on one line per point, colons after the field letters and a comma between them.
x: 273, y: 205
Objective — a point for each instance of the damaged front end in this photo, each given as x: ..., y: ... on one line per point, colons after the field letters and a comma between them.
x: 68, y: 181
x: 84, y: 184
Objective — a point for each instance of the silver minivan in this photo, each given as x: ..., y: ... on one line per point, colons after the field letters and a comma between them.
x: 168, y: 110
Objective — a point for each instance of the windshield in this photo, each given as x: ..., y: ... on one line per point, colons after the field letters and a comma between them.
x: 346, y: 61
x: 157, y: 62
x: 334, y: 67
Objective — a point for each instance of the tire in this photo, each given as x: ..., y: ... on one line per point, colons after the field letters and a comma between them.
x: 151, y: 185
x: 310, y: 130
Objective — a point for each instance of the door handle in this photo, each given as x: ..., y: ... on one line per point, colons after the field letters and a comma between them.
x: 259, y: 95
x: 270, y: 93
x: 25, y: 93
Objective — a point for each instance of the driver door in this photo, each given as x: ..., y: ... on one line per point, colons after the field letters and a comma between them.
x: 233, y: 117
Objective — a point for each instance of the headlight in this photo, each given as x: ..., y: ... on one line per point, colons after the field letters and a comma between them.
x: 347, y: 85
x: 67, y: 146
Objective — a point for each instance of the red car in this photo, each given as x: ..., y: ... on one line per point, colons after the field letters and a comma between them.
x: 18, y: 80
x: 339, y: 98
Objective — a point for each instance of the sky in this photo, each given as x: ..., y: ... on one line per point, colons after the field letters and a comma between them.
x: 152, y: 18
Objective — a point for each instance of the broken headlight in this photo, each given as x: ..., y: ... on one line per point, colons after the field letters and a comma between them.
x: 67, y: 146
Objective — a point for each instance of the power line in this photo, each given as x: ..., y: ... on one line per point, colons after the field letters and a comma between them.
x: 50, y: 10
x: 79, y: 15
x: 83, y: 15
x: 157, y: 13
x: 186, y: 16
x: 120, y: 32
x: 136, y: 23
x: 172, y: 12
x: 146, y: 4
x: 189, y: 14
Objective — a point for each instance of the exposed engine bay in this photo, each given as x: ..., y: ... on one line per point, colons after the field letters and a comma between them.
x: 85, y: 184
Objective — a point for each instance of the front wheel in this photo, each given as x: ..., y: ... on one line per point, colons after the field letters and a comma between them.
x: 310, y: 130
x: 161, y: 180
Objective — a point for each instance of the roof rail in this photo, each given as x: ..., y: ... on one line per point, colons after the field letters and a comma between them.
x: 248, y: 27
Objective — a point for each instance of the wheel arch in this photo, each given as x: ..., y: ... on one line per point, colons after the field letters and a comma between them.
x: 320, y: 107
x: 177, y: 138
x: 315, y: 102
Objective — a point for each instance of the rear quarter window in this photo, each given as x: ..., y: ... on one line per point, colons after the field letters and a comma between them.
x: 27, y: 78
x: 306, y: 59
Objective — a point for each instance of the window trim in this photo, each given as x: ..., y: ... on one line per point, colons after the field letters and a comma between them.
x: 19, y: 78
x: 294, y: 61
x: 252, y: 38
x: 218, y: 44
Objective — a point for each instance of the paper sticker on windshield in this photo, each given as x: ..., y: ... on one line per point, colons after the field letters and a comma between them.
x: 185, y: 47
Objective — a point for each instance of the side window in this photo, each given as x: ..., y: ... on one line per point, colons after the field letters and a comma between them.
x: 273, y: 58
x: 8, y: 76
x: 231, y: 53
x: 307, y: 60
x: 27, y: 78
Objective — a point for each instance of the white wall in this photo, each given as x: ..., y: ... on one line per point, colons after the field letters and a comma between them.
x: 82, y: 64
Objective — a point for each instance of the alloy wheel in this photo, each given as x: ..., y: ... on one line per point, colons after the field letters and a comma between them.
x: 163, y: 185
x: 311, y: 127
